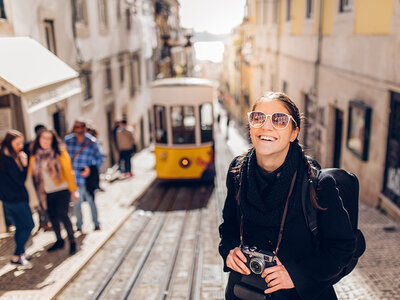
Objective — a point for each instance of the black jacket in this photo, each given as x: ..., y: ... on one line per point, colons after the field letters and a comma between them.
x: 12, y: 181
x: 311, y: 265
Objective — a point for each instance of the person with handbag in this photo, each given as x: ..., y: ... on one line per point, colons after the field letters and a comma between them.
x: 85, y: 153
x: 53, y: 178
x: 266, y: 244
x: 13, y: 172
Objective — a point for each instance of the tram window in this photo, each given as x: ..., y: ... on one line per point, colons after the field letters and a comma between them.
x: 160, y: 124
x: 183, y: 124
x: 206, y: 122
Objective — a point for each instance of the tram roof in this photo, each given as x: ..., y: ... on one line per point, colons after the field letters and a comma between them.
x: 182, y: 81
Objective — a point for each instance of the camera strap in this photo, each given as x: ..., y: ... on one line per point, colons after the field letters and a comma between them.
x: 283, y: 217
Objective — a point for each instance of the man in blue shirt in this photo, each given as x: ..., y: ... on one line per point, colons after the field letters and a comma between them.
x: 85, y: 153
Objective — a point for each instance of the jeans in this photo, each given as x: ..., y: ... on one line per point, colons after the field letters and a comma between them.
x: 125, y: 161
x: 21, y: 215
x: 85, y: 196
x: 58, y: 204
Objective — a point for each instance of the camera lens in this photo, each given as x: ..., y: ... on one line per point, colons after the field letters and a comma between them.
x: 257, y: 265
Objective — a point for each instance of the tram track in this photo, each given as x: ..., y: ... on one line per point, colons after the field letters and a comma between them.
x: 152, y: 259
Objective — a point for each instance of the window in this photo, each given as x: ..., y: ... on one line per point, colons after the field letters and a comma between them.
x: 265, y: 12
x: 103, y: 13
x: 128, y: 19
x: 49, y: 35
x: 259, y: 12
x: 150, y: 66
x: 118, y: 9
x: 80, y: 12
x: 160, y: 126
x: 206, y: 122
x: 121, y: 70
x: 309, y: 8
x: 108, y: 76
x: 131, y: 78
x: 134, y: 71
x: 284, y: 86
x: 288, y: 9
x: 345, y: 5
x: 183, y: 124
x: 276, y: 11
x: 2, y: 10
x: 86, y: 80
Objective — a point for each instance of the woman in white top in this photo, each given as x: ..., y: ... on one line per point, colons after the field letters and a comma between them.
x: 54, y: 181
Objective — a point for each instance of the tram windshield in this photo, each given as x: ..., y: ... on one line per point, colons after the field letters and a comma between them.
x: 160, y: 124
x: 206, y: 122
x: 183, y: 123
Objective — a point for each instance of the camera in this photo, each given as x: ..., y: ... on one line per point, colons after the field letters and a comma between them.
x: 258, y: 260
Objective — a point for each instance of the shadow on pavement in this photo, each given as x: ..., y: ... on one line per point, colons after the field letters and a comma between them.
x: 43, y: 264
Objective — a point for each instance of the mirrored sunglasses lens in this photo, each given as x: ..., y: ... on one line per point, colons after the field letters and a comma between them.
x: 256, y: 119
x: 280, y: 120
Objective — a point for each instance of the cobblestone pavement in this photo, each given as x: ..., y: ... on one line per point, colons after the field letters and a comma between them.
x: 51, y: 271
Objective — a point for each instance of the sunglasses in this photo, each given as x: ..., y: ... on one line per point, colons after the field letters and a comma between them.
x: 279, y: 120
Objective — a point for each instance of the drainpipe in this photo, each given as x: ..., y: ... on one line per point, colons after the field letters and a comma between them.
x: 319, y: 50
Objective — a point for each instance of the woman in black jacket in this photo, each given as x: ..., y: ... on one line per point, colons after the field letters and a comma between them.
x: 13, y: 171
x: 263, y: 210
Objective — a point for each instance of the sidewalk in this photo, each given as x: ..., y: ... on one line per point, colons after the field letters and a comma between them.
x: 51, y: 271
x: 377, y: 275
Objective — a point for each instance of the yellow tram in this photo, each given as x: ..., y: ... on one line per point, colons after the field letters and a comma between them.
x: 183, y: 128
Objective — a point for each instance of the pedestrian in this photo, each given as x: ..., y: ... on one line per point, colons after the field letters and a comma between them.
x: 114, y: 137
x: 13, y: 171
x: 53, y: 177
x: 44, y: 221
x: 127, y: 147
x: 29, y: 144
x: 85, y: 154
x: 228, y: 121
x: 263, y: 211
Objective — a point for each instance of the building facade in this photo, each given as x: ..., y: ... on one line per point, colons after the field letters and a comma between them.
x: 340, y: 62
x: 110, y: 45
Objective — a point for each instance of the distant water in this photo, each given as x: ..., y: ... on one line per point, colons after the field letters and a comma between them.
x: 212, y: 51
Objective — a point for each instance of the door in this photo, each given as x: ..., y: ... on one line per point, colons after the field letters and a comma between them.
x: 337, y: 143
x: 391, y: 186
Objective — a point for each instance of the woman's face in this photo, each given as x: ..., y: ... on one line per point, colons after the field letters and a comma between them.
x: 45, y: 140
x: 268, y: 140
x: 17, y: 144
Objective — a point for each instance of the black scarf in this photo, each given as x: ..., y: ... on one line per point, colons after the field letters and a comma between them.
x: 263, y: 194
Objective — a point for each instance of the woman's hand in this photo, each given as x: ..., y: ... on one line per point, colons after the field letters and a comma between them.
x: 277, y: 278
x: 236, y: 260
x: 75, y: 196
x: 23, y: 158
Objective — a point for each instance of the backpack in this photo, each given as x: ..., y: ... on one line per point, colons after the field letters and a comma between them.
x: 347, y: 184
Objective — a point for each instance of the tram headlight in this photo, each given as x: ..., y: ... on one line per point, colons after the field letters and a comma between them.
x: 185, y: 162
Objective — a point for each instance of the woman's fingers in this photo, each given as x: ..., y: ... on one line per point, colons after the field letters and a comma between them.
x: 235, y: 261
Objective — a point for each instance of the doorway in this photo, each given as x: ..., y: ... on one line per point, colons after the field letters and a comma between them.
x: 337, y: 142
x: 391, y: 187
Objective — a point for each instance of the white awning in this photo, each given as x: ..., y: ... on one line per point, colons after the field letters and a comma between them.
x: 29, y: 70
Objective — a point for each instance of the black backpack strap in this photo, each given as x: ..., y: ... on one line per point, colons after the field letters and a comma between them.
x: 309, y: 211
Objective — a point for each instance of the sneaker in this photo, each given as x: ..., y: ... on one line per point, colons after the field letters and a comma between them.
x: 57, y: 245
x: 22, y: 262
x: 72, y: 248
x: 97, y: 227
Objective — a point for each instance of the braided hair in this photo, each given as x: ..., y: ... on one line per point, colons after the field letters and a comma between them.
x: 295, y: 113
